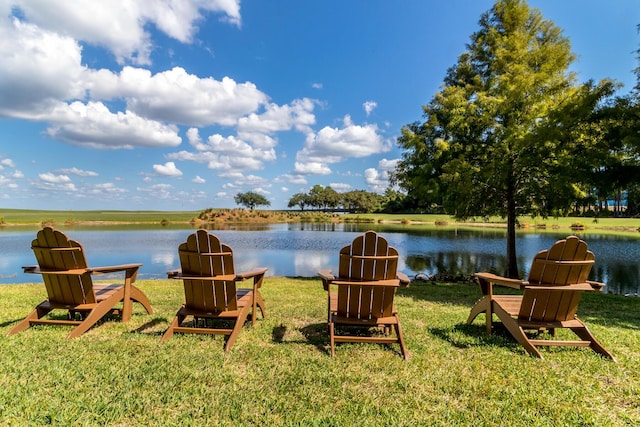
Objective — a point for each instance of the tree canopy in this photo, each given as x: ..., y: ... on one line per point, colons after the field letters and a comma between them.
x: 503, y: 135
x: 251, y: 200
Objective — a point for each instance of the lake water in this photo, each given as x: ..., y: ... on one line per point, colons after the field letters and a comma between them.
x: 303, y: 249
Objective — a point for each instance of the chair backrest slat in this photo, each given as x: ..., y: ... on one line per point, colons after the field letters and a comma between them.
x: 54, y: 251
x: 368, y: 259
x: 545, y: 305
x: 567, y: 262
x: 204, y: 255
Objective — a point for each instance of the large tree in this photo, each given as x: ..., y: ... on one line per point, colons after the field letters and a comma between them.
x: 499, y: 138
x: 251, y: 200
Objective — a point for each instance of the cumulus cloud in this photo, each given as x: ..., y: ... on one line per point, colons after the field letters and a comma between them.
x: 177, y: 96
x: 312, y: 168
x: 378, y: 179
x: 168, y: 169
x: 369, y: 106
x: 119, y: 25
x: 76, y: 171
x: 298, y: 115
x: 93, y: 125
x: 340, y: 187
x: 53, y: 178
x: 39, y: 67
x: 225, y: 153
x: 332, y: 145
x: 6, y: 163
x: 199, y: 180
x: 43, y: 77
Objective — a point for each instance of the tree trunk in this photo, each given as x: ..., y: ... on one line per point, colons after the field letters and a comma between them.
x: 511, y: 269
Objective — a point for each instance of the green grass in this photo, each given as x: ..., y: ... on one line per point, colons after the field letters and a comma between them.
x: 102, y: 217
x: 280, y: 372
x: 25, y: 216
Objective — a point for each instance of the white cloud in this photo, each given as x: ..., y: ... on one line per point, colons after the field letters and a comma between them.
x: 177, y: 96
x: 76, y: 171
x: 168, y: 169
x: 119, y: 25
x: 378, y: 179
x: 296, y: 179
x: 93, y: 125
x: 38, y: 68
x: 369, y: 106
x: 332, y: 145
x: 299, y: 115
x: 312, y: 168
x: 340, y: 187
x: 8, y: 163
x: 388, y: 164
x: 53, y: 178
x: 199, y: 180
x: 225, y: 153
x: 43, y: 78
x: 158, y: 191
x: 316, y: 85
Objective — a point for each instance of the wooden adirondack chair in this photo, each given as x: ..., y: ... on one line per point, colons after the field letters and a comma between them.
x: 210, y: 289
x: 557, y: 278
x: 69, y: 284
x: 366, y: 284
x: 546, y: 307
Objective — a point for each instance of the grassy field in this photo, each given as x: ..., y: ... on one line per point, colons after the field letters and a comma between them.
x: 22, y: 216
x: 279, y: 373
x: 38, y: 217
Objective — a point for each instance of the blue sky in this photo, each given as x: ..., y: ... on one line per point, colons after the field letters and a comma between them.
x: 180, y: 105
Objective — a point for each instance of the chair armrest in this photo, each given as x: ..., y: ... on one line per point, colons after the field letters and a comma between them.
x: 252, y: 273
x: 223, y: 277
x: 113, y: 268
x: 572, y: 287
x: 326, y: 275
x: 404, y: 279
x: 34, y: 269
x: 596, y: 286
x: 502, y: 281
x: 174, y: 274
x: 389, y: 282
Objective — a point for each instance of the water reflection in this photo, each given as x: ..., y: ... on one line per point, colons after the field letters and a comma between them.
x: 303, y: 249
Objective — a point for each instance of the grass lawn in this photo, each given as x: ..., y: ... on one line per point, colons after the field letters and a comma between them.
x: 280, y: 372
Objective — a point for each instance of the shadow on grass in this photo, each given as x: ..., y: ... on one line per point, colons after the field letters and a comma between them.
x: 594, y: 308
x: 465, y: 336
x: 315, y: 334
x: 10, y: 322
x: 144, y: 328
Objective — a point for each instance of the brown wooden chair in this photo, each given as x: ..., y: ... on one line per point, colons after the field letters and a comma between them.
x: 210, y: 289
x: 366, y: 285
x: 557, y: 278
x: 69, y: 284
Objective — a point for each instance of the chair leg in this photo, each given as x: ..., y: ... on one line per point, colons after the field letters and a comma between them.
x: 95, y: 315
x: 332, y: 338
x: 403, y: 347
x: 177, y: 321
x: 138, y: 296
x: 23, y: 325
x: 242, y: 317
x: 516, y: 331
x: 585, y: 334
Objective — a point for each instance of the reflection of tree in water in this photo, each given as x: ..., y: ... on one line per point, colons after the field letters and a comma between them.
x: 458, y: 263
x: 623, y: 276
x: 314, y: 226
